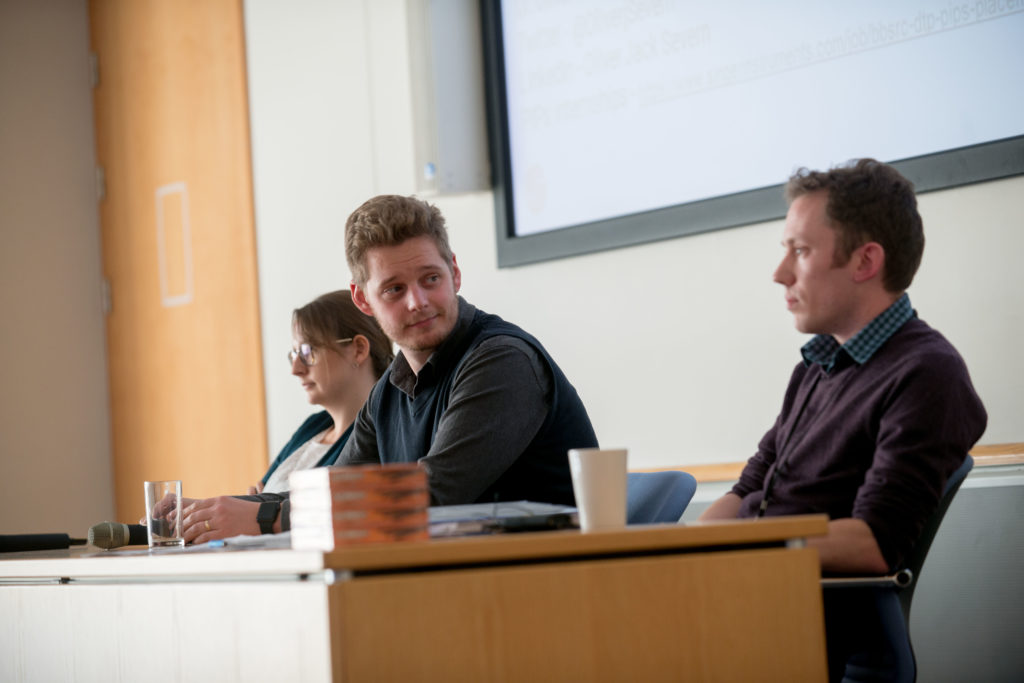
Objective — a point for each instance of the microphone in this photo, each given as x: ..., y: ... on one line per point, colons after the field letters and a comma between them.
x: 114, y: 535
x: 13, y: 543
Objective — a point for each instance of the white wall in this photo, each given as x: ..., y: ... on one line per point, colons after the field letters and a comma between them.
x: 680, y: 349
x: 55, y: 467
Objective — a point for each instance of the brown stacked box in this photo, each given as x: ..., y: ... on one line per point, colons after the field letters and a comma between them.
x: 332, y: 506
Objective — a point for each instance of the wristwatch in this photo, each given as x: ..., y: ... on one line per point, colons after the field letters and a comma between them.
x: 267, y: 515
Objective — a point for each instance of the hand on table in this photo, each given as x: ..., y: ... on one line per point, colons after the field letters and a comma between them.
x: 209, y: 519
x: 165, y: 509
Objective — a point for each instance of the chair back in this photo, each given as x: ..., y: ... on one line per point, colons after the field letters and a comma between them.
x: 915, y: 560
x: 868, y: 621
x: 653, y: 497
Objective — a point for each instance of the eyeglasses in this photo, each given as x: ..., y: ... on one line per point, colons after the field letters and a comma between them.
x: 307, y: 352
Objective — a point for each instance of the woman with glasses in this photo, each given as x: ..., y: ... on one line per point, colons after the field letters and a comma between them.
x: 338, y: 354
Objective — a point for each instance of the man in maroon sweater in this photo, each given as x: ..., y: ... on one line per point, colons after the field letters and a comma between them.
x: 881, y: 410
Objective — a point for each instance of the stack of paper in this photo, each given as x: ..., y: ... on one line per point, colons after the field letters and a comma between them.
x: 332, y: 506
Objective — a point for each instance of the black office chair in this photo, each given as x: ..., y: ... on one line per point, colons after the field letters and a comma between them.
x: 653, y: 497
x: 871, y: 616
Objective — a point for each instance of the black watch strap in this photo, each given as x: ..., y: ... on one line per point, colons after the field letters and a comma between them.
x: 267, y: 515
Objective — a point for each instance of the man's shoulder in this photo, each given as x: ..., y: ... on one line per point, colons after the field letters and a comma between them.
x: 493, y: 331
x: 491, y: 323
x: 920, y: 353
x: 502, y: 340
x: 499, y: 335
x: 500, y: 348
x: 918, y: 342
x: 509, y: 347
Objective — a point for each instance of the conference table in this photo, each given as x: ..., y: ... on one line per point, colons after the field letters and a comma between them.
x: 722, y: 601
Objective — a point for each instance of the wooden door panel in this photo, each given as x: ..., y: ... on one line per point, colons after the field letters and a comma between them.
x: 183, y: 334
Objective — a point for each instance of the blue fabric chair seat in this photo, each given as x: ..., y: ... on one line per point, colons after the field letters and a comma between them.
x: 655, y: 497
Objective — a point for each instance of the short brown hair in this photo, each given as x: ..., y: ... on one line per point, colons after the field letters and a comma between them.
x: 333, y: 316
x: 388, y: 220
x: 869, y: 201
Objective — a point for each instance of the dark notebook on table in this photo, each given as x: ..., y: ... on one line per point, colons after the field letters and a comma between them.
x: 503, y: 517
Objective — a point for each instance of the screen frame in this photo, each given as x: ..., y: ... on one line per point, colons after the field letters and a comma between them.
x: 940, y: 170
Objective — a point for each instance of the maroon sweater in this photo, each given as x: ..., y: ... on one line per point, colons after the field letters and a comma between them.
x: 875, y: 441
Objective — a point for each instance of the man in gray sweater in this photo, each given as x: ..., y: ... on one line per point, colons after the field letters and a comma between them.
x: 475, y: 399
